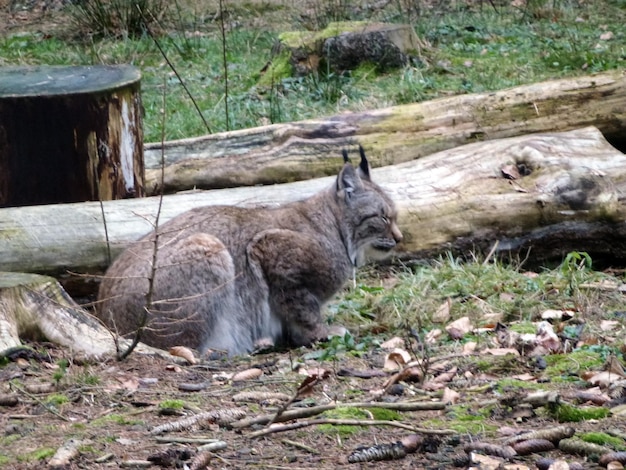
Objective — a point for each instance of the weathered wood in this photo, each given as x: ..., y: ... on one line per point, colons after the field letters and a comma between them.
x: 70, y: 134
x: 308, y: 149
x: 36, y: 307
x: 456, y: 200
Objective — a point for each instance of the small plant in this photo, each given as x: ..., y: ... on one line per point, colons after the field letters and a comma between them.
x: 337, y: 346
x: 61, y: 371
x: 116, y: 18
x: 574, y: 268
x: 57, y: 400
x: 172, y: 404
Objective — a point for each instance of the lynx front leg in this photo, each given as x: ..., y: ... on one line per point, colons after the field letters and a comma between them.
x: 301, y: 272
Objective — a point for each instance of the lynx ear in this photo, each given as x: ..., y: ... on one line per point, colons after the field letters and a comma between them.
x: 346, y: 159
x: 348, y: 180
x: 364, y: 166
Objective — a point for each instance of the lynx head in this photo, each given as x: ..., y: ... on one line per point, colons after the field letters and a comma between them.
x: 370, y: 215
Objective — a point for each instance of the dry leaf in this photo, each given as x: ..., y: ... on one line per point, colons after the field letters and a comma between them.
x: 432, y: 336
x: 308, y: 384
x: 510, y: 172
x: 442, y: 315
x: 185, y: 353
x: 547, y: 338
x: 248, y: 374
x: 604, y: 378
x: 608, y: 325
x: 411, y: 374
x: 393, y: 343
x: 502, y: 351
x: 459, y: 328
x: 606, y: 36
x: 450, y: 397
x: 446, y: 376
x: 396, y: 359
x: 562, y: 315
x: 469, y: 347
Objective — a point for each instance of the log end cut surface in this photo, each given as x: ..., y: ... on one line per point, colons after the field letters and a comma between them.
x: 61, y: 80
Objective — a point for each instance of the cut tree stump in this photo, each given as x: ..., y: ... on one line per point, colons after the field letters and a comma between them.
x: 551, y: 193
x: 36, y: 307
x: 70, y: 134
x: 288, y: 152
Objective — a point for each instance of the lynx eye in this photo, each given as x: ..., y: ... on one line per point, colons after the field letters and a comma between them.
x: 385, y: 220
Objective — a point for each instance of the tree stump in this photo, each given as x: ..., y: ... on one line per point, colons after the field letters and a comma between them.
x: 342, y: 46
x: 70, y: 134
x: 36, y: 307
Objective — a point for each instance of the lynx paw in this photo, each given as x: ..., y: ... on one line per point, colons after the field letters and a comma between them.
x: 336, y: 330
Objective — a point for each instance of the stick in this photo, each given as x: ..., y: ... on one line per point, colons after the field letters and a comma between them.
x: 348, y: 422
x: 315, y: 410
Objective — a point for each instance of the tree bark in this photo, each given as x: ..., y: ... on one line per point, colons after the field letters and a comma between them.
x: 289, y: 152
x: 552, y: 193
x: 70, y: 134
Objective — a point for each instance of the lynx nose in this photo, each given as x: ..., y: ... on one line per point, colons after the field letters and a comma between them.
x: 397, y: 234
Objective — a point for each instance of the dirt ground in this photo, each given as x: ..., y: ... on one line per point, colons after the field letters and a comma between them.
x: 108, y: 411
x: 104, y: 414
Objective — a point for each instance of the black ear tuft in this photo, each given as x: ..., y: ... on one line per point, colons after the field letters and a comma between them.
x: 364, y: 165
x: 344, y: 152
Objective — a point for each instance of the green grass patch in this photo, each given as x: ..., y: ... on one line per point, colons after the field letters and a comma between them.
x: 473, y: 49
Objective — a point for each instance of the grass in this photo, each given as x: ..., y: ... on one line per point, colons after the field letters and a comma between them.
x: 474, y: 49
x: 403, y: 302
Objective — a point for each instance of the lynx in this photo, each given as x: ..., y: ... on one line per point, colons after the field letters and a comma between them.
x: 227, y: 277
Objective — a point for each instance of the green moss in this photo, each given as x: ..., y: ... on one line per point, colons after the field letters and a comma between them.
x: 343, y: 413
x: 4, y: 460
x: 57, y: 400
x: 523, y: 327
x: 279, y: 69
x: 571, y: 364
x: 172, y: 404
x: 463, y: 427
x: 385, y: 414
x: 312, y: 40
x: 515, y: 384
x: 117, y: 419
x: 604, y: 439
x: 565, y: 413
x: 39, y: 454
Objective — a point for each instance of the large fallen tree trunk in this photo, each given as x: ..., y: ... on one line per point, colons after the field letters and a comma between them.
x: 307, y: 149
x: 552, y: 192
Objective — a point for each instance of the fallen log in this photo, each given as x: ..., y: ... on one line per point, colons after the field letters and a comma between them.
x: 553, y: 193
x: 295, y: 151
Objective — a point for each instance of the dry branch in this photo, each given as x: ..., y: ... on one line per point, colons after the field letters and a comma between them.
x: 287, y: 152
x: 316, y: 410
x: 346, y: 422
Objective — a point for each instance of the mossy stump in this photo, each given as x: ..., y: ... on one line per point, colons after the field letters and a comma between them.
x: 343, y: 46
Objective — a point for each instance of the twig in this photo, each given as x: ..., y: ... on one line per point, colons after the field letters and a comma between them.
x: 153, y: 267
x: 171, y: 66
x: 300, y: 445
x: 44, y: 405
x: 348, y: 422
x: 224, y: 63
x: 315, y: 410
